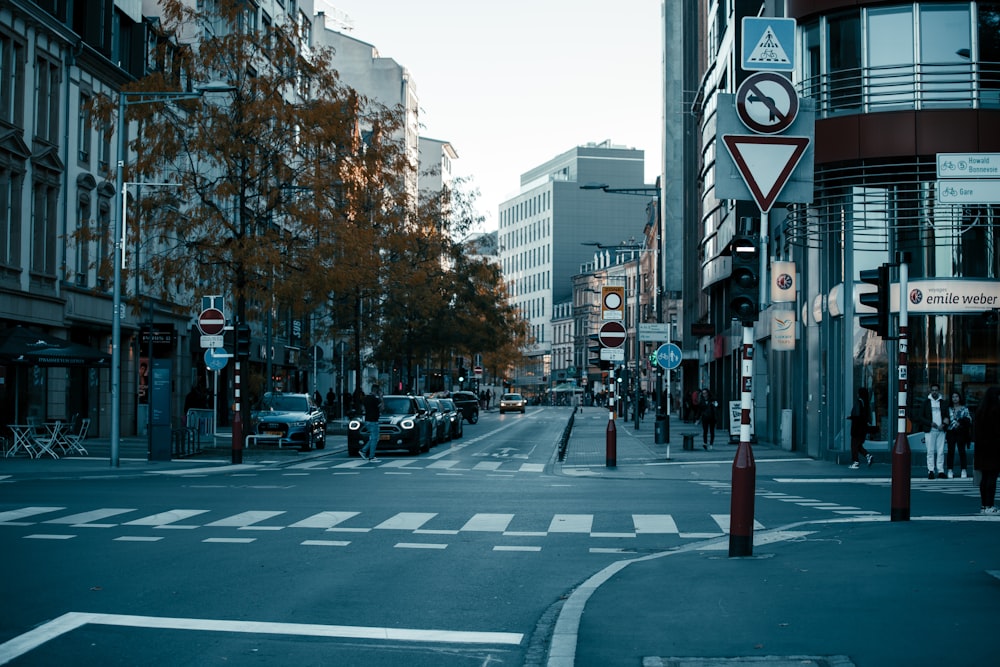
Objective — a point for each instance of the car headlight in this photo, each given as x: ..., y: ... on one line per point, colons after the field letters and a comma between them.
x: 298, y: 424
x: 407, y: 424
x: 355, y: 425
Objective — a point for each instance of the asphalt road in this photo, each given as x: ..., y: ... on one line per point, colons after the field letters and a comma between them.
x: 460, y: 556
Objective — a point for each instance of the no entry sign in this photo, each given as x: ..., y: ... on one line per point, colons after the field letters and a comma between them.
x: 612, y: 334
x: 211, y: 321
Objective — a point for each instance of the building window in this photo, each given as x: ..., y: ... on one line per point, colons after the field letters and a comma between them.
x: 84, y: 130
x: 83, y: 241
x: 45, y: 204
x: 10, y: 217
x: 47, y: 100
x: 844, y: 61
x: 945, y: 54
x: 12, y: 64
x: 104, y: 242
x: 890, y: 73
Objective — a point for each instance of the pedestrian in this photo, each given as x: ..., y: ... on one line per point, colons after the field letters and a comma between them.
x: 708, y: 406
x: 860, y: 418
x: 695, y: 401
x: 642, y: 406
x: 959, y: 433
x: 986, y: 457
x: 934, y: 421
x: 373, y: 407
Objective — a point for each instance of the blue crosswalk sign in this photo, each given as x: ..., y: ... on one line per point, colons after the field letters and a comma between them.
x: 668, y: 356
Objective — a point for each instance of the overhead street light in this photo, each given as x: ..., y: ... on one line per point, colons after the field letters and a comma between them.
x: 128, y: 98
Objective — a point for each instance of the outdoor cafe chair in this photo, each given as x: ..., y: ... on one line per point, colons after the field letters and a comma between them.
x: 75, y: 440
x: 49, y: 439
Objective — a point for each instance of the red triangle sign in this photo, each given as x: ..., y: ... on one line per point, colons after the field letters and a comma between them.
x: 765, y: 162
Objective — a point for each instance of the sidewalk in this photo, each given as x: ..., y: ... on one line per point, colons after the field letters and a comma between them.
x: 863, y: 591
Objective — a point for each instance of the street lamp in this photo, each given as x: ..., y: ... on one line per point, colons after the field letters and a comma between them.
x: 638, y: 249
x: 124, y: 100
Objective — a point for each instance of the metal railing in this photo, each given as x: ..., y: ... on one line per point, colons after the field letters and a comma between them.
x: 185, y: 442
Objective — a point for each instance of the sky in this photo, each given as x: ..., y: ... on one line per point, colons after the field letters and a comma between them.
x: 513, y: 84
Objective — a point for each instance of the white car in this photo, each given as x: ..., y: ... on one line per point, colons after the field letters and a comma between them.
x: 512, y: 403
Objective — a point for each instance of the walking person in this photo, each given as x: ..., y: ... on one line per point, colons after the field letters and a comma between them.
x: 959, y: 434
x: 859, y: 429
x: 986, y: 457
x: 373, y: 408
x: 709, y: 406
x: 934, y: 421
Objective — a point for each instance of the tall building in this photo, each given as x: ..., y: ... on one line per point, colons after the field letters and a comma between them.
x: 897, y: 87
x: 547, y: 231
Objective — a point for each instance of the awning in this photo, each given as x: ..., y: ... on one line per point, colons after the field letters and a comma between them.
x: 20, y: 346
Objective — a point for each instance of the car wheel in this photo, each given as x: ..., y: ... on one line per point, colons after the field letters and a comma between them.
x: 474, y: 417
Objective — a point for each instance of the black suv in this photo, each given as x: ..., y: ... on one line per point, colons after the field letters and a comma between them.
x: 403, y: 424
x: 468, y: 404
x: 292, y: 417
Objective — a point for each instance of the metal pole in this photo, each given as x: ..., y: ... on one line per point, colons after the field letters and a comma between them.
x: 635, y: 407
x: 116, y: 323
x: 744, y: 469
x: 901, y: 456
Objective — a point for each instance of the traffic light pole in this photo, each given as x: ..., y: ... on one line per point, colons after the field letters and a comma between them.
x: 901, y: 455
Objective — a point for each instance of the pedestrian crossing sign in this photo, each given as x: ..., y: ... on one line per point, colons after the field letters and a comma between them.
x: 768, y: 44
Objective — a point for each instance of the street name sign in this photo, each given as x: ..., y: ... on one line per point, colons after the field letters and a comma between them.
x: 968, y: 165
x: 654, y: 331
x: 213, y: 341
x: 612, y: 354
x: 969, y: 191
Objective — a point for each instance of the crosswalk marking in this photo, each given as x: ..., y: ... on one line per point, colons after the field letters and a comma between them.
x: 406, y: 521
x: 244, y: 520
x: 324, y: 520
x: 488, y: 465
x: 165, y: 519
x: 87, y: 519
x: 571, y: 523
x: 608, y: 527
x: 10, y: 518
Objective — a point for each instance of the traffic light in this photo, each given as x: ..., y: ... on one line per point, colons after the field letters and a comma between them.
x: 879, y: 300
x: 243, y: 340
x: 744, y: 280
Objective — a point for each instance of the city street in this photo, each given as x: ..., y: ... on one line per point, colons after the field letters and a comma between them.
x: 475, y: 554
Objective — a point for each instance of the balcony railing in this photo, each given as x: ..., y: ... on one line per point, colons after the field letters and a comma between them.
x: 891, y: 88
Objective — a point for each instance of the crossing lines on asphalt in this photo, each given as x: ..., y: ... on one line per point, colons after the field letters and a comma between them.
x: 603, y: 527
x: 399, y: 466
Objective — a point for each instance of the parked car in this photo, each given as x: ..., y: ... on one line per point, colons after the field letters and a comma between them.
x: 512, y: 403
x: 442, y: 426
x: 455, y: 418
x: 403, y: 424
x: 468, y: 403
x: 292, y: 417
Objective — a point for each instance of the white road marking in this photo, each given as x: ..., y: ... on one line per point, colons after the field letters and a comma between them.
x: 18, y: 646
x: 11, y: 517
x: 84, y: 519
x: 490, y: 523
x: 722, y: 520
x: 39, y: 536
x: 137, y: 538
x: 504, y: 548
x: 243, y: 519
x: 571, y: 523
x: 164, y: 519
x: 406, y: 521
x: 654, y: 523
x: 324, y: 543
x: 230, y: 540
x: 420, y: 545
x: 324, y: 520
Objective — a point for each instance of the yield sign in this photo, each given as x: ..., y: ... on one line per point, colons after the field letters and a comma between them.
x: 765, y: 163
x: 612, y: 334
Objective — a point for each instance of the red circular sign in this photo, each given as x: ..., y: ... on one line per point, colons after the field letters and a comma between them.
x: 767, y: 103
x: 612, y: 334
x: 212, y: 321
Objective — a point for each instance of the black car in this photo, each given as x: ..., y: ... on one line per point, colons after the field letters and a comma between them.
x: 441, y: 420
x: 454, y: 416
x: 468, y: 404
x: 292, y: 417
x: 403, y: 424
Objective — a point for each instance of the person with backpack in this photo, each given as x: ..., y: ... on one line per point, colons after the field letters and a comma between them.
x: 708, y: 406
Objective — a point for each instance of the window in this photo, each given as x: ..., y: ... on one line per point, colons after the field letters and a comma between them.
x: 83, y: 130
x: 83, y: 240
x: 45, y: 204
x: 12, y: 63
x: 844, y: 60
x: 47, y: 100
x: 104, y: 245
x: 945, y: 35
x: 890, y: 73
x: 10, y: 217
x: 989, y: 54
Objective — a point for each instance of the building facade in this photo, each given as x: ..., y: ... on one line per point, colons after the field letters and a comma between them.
x: 895, y: 86
x: 549, y: 229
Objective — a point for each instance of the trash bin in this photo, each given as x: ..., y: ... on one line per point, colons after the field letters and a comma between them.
x: 689, y: 441
x: 662, y: 430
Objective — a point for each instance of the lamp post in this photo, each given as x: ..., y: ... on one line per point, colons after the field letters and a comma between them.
x: 646, y: 191
x: 125, y: 100
x: 639, y: 249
